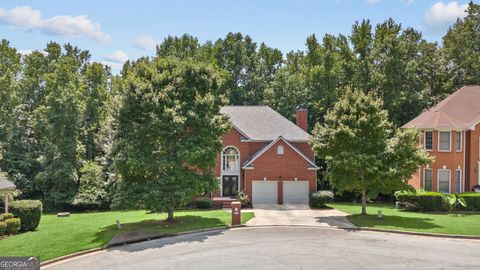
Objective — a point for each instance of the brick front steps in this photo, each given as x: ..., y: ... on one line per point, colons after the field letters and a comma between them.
x: 225, y: 202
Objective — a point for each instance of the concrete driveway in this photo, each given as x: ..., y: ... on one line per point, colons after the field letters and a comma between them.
x: 286, y: 248
x: 298, y: 215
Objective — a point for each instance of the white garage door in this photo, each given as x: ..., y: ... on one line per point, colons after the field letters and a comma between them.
x: 264, y: 192
x: 295, y: 192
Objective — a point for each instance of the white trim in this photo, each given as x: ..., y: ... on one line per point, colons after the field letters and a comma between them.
x: 423, y: 179
x: 280, y: 150
x: 461, y: 141
x: 241, y: 132
x: 472, y: 127
x: 237, y: 173
x: 273, y: 143
x: 296, y: 141
x: 478, y: 174
x: 461, y: 186
x: 449, y: 180
x: 425, y: 140
x: 450, y: 141
x: 239, y: 160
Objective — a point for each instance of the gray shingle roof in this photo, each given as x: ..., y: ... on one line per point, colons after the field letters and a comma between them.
x: 5, y: 184
x: 262, y: 123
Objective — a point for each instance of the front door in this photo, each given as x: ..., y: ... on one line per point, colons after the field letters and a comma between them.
x: 229, y: 185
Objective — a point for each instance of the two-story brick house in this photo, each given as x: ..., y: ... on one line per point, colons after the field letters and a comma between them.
x: 450, y: 131
x: 267, y: 156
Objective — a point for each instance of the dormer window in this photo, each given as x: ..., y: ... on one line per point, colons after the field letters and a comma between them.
x: 280, y: 150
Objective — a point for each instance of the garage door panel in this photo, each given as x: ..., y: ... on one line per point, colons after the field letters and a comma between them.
x: 264, y: 192
x: 295, y: 192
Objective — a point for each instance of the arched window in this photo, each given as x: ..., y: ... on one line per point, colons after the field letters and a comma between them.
x: 280, y: 150
x: 230, y: 159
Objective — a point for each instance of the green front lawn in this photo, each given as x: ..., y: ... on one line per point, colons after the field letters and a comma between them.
x: 463, y: 223
x: 61, y: 236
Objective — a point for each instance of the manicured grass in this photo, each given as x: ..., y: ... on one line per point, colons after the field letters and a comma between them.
x: 464, y: 223
x: 61, y: 236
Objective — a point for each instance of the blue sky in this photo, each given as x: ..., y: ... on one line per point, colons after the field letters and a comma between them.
x: 116, y: 30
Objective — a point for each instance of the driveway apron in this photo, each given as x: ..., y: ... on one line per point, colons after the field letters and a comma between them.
x: 298, y: 215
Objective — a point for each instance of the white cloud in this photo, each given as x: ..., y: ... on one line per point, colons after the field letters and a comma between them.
x: 146, y: 43
x: 373, y: 1
x: 440, y: 15
x: 25, y: 52
x: 67, y: 26
x: 28, y: 52
x: 115, y: 66
x: 117, y: 57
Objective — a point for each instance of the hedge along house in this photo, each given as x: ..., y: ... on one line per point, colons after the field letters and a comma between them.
x: 267, y: 156
x: 450, y: 131
x: 6, y: 189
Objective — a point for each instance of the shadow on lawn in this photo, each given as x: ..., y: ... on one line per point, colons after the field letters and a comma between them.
x: 181, y: 224
x: 393, y: 221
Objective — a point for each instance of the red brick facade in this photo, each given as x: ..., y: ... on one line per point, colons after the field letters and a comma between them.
x: 464, y: 161
x: 290, y: 166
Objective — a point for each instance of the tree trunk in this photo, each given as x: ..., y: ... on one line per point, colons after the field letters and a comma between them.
x: 170, y: 216
x: 364, y: 201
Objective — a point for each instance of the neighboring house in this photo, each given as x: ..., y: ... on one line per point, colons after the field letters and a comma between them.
x: 451, y: 133
x: 267, y: 156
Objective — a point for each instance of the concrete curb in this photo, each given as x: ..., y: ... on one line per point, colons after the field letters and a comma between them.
x: 85, y: 252
x: 106, y: 247
x: 69, y: 256
x: 438, y: 235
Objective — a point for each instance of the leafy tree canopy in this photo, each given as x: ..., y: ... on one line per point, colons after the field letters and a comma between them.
x: 169, y: 133
x: 363, y: 151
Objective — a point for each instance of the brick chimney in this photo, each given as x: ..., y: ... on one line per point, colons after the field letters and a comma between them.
x: 302, y: 116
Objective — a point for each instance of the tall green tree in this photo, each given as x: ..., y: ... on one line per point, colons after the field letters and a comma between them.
x: 57, y: 122
x: 462, y: 48
x: 363, y: 151
x: 94, y: 95
x: 169, y: 131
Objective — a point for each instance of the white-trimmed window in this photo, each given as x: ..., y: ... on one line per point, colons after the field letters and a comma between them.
x: 427, y: 179
x: 230, y: 159
x: 444, y: 143
x: 428, y: 140
x: 458, y: 181
x: 458, y: 141
x: 280, y: 150
x: 444, y: 181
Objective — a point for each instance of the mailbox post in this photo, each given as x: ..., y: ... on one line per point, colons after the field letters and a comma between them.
x: 236, y: 213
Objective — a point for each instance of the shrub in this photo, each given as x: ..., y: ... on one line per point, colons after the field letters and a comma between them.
x: 472, y: 199
x: 421, y: 201
x: 243, y: 198
x: 453, y: 201
x: 320, y: 198
x: 3, y: 228
x: 13, y: 225
x: 6, y: 216
x: 29, y: 211
x: 203, y: 203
